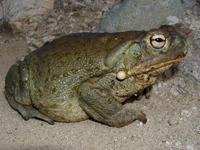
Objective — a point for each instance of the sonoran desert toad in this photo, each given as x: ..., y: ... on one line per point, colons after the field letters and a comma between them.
x: 86, y: 75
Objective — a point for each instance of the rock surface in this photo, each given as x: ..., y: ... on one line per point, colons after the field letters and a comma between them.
x: 140, y: 15
x: 17, y: 12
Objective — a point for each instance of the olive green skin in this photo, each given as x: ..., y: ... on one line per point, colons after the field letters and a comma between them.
x: 90, y: 74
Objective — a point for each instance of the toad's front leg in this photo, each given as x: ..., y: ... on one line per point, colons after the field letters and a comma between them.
x: 98, y: 103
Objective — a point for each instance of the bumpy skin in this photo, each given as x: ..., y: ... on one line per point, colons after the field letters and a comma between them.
x: 90, y: 74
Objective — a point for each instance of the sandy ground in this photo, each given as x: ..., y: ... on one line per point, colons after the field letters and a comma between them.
x: 172, y: 112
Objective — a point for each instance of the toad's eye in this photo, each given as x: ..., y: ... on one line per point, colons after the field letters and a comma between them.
x: 158, y: 41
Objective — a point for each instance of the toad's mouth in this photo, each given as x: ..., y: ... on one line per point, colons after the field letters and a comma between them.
x: 153, y: 69
x: 148, y: 68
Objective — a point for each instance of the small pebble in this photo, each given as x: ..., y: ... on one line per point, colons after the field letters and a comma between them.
x: 168, y: 143
x: 53, y: 13
x: 184, y: 112
x: 36, y: 19
x: 48, y: 38
x: 31, y: 33
x: 17, y: 26
x: 189, y: 147
x: 58, y: 4
x: 178, y: 143
x: 52, y: 20
x: 172, y: 20
x: 31, y: 26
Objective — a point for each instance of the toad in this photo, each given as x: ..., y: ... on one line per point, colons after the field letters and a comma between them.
x: 84, y: 75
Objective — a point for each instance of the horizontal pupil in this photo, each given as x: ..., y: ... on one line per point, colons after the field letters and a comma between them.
x: 159, y: 40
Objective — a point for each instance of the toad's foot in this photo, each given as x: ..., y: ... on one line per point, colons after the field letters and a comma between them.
x: 27, y: 112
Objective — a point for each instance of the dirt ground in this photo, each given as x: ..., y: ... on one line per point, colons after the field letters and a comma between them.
x: 172, y: 112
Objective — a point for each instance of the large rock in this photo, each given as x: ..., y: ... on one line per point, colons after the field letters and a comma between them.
x: 17, y: 12
x: 141, y: 15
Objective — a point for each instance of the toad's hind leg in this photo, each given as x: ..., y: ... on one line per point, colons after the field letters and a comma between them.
x: 17, y: 92
x: 26, y: 111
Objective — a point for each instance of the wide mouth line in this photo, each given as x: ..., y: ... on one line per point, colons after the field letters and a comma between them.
x: 146, y: 68
x: 160, y: 64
